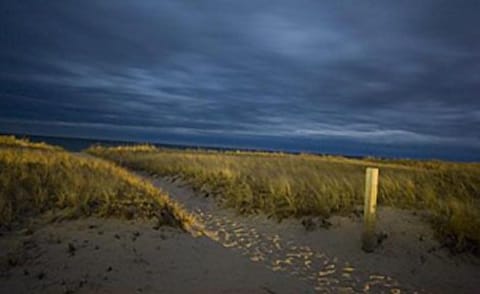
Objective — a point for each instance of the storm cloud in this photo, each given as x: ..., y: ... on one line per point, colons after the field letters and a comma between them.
x: 377, y: 73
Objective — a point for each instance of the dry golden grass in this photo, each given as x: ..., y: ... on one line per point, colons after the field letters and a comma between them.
x: 11, y: 141
x: 39, y: 178
x: 283, y: 185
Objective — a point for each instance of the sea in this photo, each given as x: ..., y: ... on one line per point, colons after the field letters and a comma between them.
x: 331, y: 147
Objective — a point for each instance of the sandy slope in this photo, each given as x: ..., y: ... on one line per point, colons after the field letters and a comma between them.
x: 111, y: 256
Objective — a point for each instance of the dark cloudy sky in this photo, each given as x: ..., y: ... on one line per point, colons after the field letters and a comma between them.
x: 361, y: 77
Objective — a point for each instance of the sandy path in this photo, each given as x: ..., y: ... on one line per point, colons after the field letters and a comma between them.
x: 242, y: 254
x: 111, y: 256
x: 331, y: 260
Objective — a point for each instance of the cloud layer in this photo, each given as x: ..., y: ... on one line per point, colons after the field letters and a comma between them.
x: 374, y: 72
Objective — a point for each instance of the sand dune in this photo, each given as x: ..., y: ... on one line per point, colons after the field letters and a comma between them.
x: 236, y: 254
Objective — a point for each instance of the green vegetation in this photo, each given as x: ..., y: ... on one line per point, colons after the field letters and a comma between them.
x: 38, y: 178
x: 283, y: 185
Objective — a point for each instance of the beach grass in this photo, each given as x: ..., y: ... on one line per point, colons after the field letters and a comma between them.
x: 286, y: 185
x: 36, y: 178
x: 12, y: 141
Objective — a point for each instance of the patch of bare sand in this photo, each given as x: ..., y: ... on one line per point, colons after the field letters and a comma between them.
x: 113, y: 256
x: 408, y: 251
x: 409, y: 258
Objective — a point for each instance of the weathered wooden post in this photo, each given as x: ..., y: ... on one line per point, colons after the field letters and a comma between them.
x: 369, y: 240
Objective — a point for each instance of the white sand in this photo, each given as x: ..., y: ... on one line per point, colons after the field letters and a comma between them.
x: 114, y: 256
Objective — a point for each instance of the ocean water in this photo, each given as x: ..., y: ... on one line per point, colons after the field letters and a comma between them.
x: 79, y: 144
x: 334, y: 147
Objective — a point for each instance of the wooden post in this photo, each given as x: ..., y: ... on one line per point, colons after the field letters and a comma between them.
x: 369, y: 240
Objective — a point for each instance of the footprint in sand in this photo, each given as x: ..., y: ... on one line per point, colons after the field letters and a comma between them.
x: 326, y: 274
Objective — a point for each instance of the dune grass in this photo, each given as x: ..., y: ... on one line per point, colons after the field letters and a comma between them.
x: 12, y: 141
x: 37, y: 178
x: 284, y: 185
